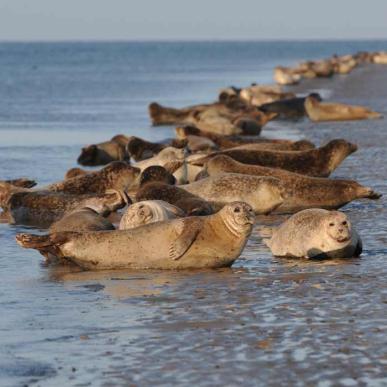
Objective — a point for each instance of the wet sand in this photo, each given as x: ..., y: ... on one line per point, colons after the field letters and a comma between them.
x: 265, y: 321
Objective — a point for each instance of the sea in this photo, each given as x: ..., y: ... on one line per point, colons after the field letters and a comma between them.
x: 263, y: 322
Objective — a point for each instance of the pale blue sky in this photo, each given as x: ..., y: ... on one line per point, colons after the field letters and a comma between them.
x: 192, y: 19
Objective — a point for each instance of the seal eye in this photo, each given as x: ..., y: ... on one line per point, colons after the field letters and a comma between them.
x: 237, y: 209
x: 331, y: 224
x: 344, y: 223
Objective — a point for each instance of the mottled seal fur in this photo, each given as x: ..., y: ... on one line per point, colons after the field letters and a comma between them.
x: 320, y: 162
x: 316, y: 233
x: 212, y: 242
x: 302, y: 191
x: 149, y: 211
x: 263, y: 194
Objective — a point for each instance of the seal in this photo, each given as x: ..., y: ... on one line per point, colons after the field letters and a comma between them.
x: 42, y: 208
x: 257, y: 95
x: 164, y: 157
x: 318, y: 111
x: 263, y: 194
x: 104, y: 152
x: 188, y: 243
x: 149, y: 211
x: 74, y: 172
x: 286, y: 76
x: 117, y: 175
x: 21, y: 182
x: 140, y: 149
x: 81, y: 219
x: 302, y: 191
x: 157, y: 184
x: 316, y: 233
x: 226, y: 142
x: 320, y: 162
x: 288, y: 108
x: 224, y: 119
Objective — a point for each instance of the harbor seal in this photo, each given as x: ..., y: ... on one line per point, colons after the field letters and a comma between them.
x: 319, y: 162
x: 21, y: 182
x: 104, y: 152
x: 157, y: 184
x: 319, y: 111
x: 263, y: 194
x: 302, y: 191
x: 149, y: 211
x: 212, y: 242
x: 226, y: 142
x: 42, y: 208
x: 288, y: 108
x: 74, y: 172
x: 164, y: 157
x: 316, y: 233
x: 117, y: 175
x: 81, y: 219
x: 140, y: 149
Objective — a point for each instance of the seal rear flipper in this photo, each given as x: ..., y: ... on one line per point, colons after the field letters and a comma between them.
x: 22, y: 182
x: 187, y: 230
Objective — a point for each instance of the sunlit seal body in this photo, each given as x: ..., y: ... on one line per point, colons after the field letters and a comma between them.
x: 188, y: 243
x: 302, y: 191
x: 104, y: 152
x: 82, y: 219
x: 117, y: 175
x: 74, y: 172
x: 42, y: 208
x: 286, y: 76
x: 149, y: 211
x: 226, y: 142
x: 320, y: 162
x: 263, y: 194
x: 319, y: 111
x: 316, y: 233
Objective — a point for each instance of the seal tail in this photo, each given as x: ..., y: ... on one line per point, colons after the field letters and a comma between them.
x: 30, y: 241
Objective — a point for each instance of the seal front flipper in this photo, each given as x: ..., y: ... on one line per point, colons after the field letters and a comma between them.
x: 187, y: 230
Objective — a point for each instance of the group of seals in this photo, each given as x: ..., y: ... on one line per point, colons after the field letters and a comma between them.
x: 191, y: 202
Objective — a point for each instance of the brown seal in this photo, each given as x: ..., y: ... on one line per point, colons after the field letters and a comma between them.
x: 42, y: 208
x: 157, y: 184
x: 319, y: 111
x: 74, y: 172
x: 302, y: 191
x: 21, y: 182
x: 263, y: 194
x: 213, y: 241
x: 320, y: 162
x: 116, y: 175
x: 316, y: 233
x: 140, y: 149
x: 104, y: 152
x: 226, y: 142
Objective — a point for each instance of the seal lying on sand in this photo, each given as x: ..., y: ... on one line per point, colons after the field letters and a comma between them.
x: 316, y: 233
x: 263, y: 194
x: 320, y: 162
x: 288, y: 108
x: 336, y: 111
x: 104, y: 152
x: 188, y: 243
x: 302, y: 191
x: 116, y: 175
x: 149, y: 211
x: 226, y: 142
x: 42, y: 208
x: 140, y: 149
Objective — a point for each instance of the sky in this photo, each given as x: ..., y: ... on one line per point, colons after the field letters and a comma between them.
x: 48, y: 20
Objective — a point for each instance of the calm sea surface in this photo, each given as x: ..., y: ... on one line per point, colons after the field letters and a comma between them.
x: 263, y: 322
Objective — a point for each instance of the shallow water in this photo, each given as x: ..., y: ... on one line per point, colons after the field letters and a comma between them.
x: 265, y: 321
